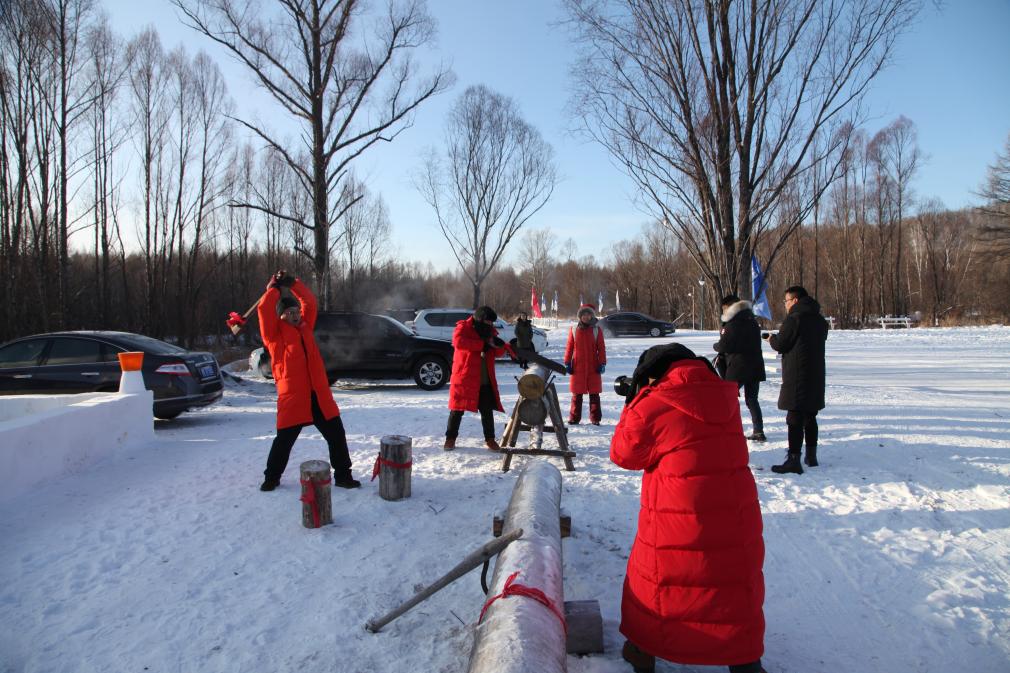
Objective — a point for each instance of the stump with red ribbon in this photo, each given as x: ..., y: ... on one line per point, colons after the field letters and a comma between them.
x: 317, y: 507
x: 393, y: 467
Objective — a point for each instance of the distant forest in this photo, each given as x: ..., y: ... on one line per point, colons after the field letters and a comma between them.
x: 105, y: 139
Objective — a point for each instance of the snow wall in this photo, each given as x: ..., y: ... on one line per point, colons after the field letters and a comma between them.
x: 43, y: 437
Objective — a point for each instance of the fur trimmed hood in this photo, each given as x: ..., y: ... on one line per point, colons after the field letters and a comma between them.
x: 733, y: 310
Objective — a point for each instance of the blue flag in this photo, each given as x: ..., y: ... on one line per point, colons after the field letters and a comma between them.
x: 758, y: 287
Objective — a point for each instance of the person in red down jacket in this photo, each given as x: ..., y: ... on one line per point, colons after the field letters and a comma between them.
x: 694, y: 590
x: 585, y: 360
x: 473, y: 386
x: 303, y: 391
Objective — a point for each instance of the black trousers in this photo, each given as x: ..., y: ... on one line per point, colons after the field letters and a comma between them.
x: 750, y: 396
x: 802, y: 425
x: 332, y: 431
x: 753, y: 667
x: 485, y: 405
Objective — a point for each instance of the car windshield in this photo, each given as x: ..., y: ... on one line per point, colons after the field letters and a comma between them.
x: 149, y: 345
x: 400, y: 327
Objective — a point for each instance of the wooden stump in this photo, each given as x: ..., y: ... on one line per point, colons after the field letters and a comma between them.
x: 531, y: 383
x: 395, y: 457
x: 585, y: 627
x: 532, y: 412
x: 317, y: 508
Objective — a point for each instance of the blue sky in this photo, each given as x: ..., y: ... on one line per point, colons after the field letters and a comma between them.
x: 950, y: 75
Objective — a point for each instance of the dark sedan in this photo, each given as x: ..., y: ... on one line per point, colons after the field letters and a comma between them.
x: 87, y: 362
x: 366, y: 346
x: 628, y: 323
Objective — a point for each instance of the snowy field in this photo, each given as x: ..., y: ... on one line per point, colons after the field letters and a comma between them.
x: 892, y: 556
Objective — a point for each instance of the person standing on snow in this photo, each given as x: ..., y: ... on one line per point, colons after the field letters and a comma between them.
x: 694, y: 589
x: 800, y: 340
x: 473, y: 386
x: 585, y: 360
x: 303, y: 391
x: 740, y: 344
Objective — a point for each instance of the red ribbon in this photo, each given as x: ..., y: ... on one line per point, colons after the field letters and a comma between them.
x: 234, y: 319
x: 309, y: 497
x: 539, y: 596
x: 379, y: 461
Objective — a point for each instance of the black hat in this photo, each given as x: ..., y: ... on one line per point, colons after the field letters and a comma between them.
x: 287, y: 302
x: 655, y: 362
x: 485, y: 313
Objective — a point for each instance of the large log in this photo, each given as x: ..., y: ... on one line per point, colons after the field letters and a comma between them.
x: 395, y: 458
x: 532, y: 412
x: 533, y: 381
x: 519, y: 634
x: 317, y: 508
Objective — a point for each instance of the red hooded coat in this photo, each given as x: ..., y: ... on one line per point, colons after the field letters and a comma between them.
x: 464, y: 385
x: 586, y: 350
x: 694, y: 591
x: 295, y: 360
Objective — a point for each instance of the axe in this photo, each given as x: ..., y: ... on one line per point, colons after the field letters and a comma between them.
x: 237, y: 322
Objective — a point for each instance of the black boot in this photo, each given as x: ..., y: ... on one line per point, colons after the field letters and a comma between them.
x: 792, y: 465
x: 641, y: 661
x: 810, y: 459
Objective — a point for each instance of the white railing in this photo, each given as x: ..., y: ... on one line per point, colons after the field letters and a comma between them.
x: 546, y: 323
x: 894, y: 321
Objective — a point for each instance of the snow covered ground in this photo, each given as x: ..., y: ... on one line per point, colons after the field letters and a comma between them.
x: 894, y: 555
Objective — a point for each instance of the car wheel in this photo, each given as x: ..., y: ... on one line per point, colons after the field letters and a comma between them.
x: 265, y: 371
x: 430, y: 372
x: 654, y: 332
x: 331, y: 379
x: 167, y: 416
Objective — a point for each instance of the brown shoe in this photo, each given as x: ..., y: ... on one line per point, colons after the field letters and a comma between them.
x: 639, y: 660
x: 450, y: 443
x: 492, y: 444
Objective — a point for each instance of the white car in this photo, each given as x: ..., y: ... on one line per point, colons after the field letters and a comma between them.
x: 439, y: 323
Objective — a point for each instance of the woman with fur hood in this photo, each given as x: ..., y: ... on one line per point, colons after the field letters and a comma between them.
x: 585, y: 360
x: 739, y: 348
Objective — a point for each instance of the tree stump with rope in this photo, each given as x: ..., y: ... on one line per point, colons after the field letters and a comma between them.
x: 317, y: 507
x: 395, y: 466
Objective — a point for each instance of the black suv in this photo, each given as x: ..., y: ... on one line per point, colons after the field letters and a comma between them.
x: 361, y: 345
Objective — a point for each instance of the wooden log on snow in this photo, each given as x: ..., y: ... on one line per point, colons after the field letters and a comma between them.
x: 395, y: 458
x: 518, y: 633
x: 533, y: 381
x: 585, y: 627
x: 317, y: 508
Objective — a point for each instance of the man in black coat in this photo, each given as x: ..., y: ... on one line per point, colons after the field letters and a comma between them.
x: 739, y: 348
x: 801, y: 340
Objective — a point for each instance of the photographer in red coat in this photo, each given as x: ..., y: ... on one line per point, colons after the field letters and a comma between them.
x: 303, y: 391
x: 473, y: 386
x: 694, y: 590
x: 585, y: 360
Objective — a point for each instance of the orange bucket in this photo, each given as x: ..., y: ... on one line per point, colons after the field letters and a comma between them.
x: 131, y: 362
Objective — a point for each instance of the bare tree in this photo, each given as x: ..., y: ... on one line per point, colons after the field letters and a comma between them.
x: 713, y: 108
x: 896, y: 150
x: 496, y: 174
x: 346, y: 86
x: 996, y: 192
x: 536, y: 256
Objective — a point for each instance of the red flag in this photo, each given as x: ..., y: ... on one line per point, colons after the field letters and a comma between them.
x: 535, y: 304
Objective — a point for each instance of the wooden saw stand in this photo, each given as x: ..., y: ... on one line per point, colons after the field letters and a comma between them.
x: 538, y: 404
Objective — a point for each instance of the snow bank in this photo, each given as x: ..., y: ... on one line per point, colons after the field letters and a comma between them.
x: 45, y: 437
x: 893, y: 556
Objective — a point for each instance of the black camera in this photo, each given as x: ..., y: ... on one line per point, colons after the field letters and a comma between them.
x: 622, y: 385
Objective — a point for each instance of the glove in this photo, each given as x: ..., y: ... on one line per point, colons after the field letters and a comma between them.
x: 568, y: 367
x: 602, y: 368
x: 496, y: 342
x: 284, y: 279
